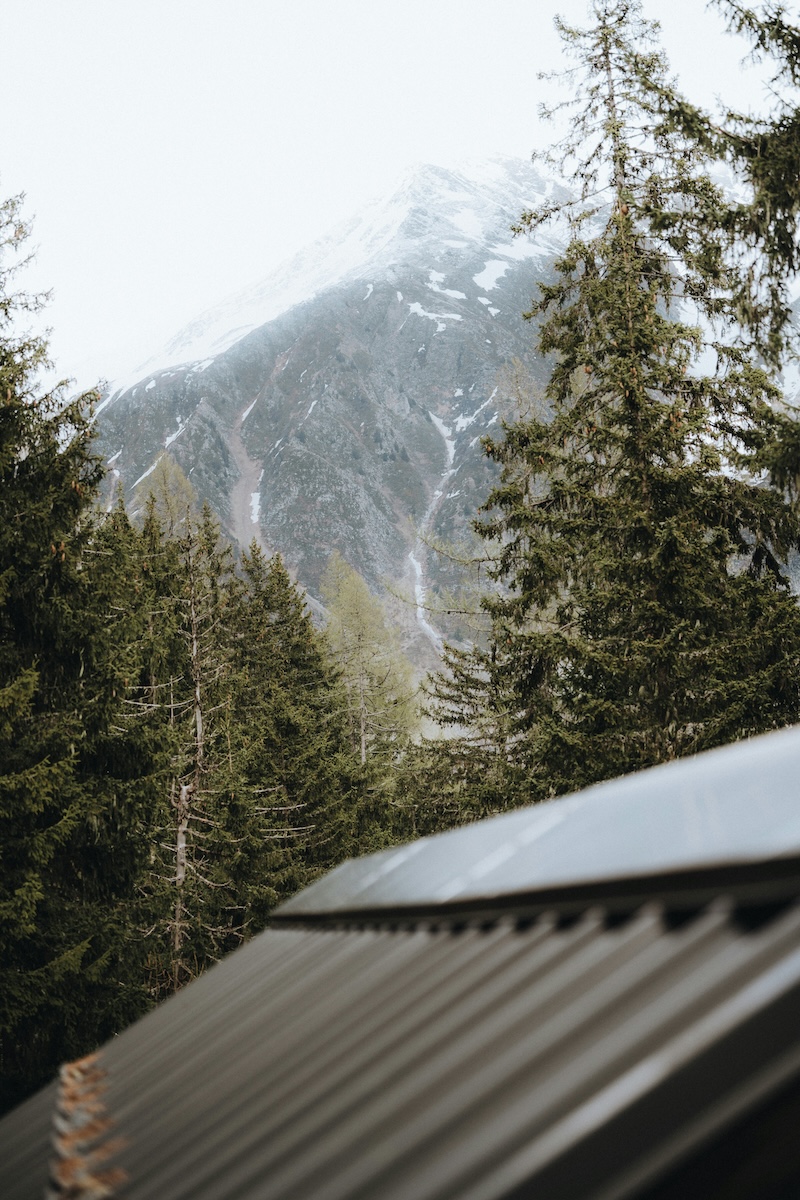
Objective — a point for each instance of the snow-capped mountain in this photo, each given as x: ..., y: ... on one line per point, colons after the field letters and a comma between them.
x: 471, y: 207
x: 340, y: 402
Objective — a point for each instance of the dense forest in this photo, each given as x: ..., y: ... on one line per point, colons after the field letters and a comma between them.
x: 183, y: 748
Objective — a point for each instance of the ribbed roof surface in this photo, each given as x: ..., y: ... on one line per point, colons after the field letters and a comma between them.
x: 582, y: 1055
x: 574, y: 1062
x: 735, y: 805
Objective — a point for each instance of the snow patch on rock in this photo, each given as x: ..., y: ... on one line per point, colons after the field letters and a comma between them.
x: 435, y: 278
x: 255, y: 507
x: 419, y: 598
x: 447, y: 434
x: 149, y: 471
x: 439, y: 318
x: 172, y: 436
x: 493, y: 271
x: 463, y: 422
x: 248, y: 410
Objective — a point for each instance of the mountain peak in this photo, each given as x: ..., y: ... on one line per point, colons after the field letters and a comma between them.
x: 341, y: 402
x: 473, y: 202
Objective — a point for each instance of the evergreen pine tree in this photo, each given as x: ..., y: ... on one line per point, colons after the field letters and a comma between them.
x: 764, y: 151
x: 254, y: 800
x: 475, y: 770
x: 122, y: 763
x: 294, y: 768
x: 187, y: 685
x: 73, y: 791
x: 643, y: 612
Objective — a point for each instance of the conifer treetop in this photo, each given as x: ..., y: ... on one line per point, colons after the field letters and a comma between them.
x: 643, y: 609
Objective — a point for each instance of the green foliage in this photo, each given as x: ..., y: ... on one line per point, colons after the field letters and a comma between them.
x: 73, y: 789
x: 761, y: 224
x: 181, y: 749
x: 643, y: 611
x: 375, y: 674
x: 379, y: 702
x: 191, y: 898
x: 174, y: 743
x: 258, y: 763
x: 169, y: 496
x: 293, y: 753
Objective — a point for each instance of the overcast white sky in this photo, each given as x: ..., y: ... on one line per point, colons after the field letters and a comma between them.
x: 175, y: 150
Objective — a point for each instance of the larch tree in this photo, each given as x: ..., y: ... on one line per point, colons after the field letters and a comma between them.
x: 378, y: 698
x: 643, y: 609
x: 168, y: 496
x: 374, y: 671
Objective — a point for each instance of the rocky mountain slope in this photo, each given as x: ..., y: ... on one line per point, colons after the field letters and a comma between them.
x: 340, y: 403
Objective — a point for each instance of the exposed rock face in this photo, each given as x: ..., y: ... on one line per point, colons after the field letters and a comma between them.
x: 340, y: 404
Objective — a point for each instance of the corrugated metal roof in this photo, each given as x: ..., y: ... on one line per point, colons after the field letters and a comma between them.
x: 550, y: 1061
x: 451, y: 1040
x: 733, y: 806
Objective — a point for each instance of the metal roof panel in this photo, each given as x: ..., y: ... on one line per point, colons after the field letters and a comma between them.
x: 355, y: 1065
x: 738, y: 804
